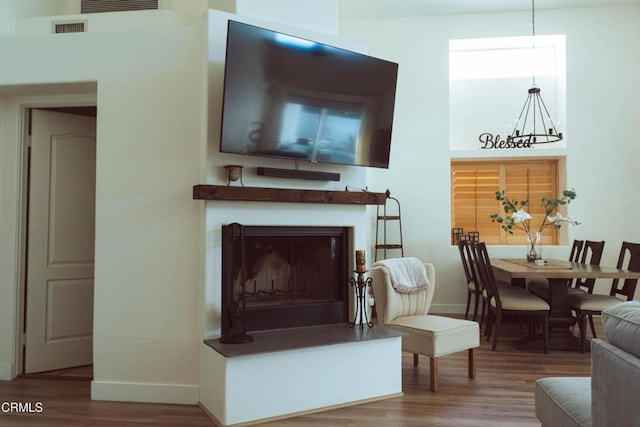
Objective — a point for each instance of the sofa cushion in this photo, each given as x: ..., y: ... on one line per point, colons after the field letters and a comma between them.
x: 621, y: 324
x: 563, y: 401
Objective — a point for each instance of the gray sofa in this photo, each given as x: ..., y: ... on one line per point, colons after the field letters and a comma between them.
x: 611, y: 397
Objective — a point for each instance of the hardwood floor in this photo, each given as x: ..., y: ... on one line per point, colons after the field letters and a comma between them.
x: 80, y: 373
x: 501, y: 395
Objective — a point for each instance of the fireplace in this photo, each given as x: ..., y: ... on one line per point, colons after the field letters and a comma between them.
x: 293, y: 276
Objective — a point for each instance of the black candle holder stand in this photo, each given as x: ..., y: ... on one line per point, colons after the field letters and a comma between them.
x: 360, y: 284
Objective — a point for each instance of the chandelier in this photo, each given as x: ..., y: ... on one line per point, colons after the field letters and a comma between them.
x: 534, y: 125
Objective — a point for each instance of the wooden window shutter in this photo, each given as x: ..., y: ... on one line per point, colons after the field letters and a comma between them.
x: 473, y: 188
x: 532, y: 180
x: 473, y: 198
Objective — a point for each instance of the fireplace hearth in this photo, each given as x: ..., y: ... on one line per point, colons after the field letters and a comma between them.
x: 293, y: 276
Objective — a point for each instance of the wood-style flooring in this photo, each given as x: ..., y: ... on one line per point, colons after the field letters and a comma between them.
x: 80, y: 373
x: 501, y: 395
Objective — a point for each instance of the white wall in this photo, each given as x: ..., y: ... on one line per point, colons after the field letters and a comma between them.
x: 12, y: 9
x: 319, y: 16
x: 603, y: 105
x: 152, y: 244
x: 150, y: 133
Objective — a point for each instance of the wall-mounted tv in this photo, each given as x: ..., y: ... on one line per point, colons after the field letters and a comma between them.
x: 293, y: 98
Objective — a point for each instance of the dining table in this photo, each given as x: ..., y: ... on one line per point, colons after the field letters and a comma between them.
x: 558, y: 273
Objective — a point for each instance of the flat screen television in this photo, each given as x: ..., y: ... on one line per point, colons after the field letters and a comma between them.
x: 292, y: 98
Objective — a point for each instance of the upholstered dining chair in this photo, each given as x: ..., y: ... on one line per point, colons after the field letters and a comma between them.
x: 481, y: 287
x: 473, y: 289
x: 587, y: 305
x: 408, y: 311
x: 506, y: 301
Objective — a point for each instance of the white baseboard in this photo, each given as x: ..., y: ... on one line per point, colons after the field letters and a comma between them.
x: 186, y: 394
x: 6, y: 371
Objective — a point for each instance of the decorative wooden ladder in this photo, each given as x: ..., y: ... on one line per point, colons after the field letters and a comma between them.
x: 384, y: 218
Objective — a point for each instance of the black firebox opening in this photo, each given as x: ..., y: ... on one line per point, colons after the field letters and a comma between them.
x: 294, y: 276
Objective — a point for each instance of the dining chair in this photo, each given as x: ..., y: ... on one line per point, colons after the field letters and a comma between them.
x: 534, y: 285
x: 591, y: 254
x: 479, y: 290
x: 512, y: 301
x: 484, y: 293
x: 587, y: 305
x: 473, y: 288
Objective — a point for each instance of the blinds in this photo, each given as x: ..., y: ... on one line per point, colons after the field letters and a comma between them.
x: 473, y: 200
x: 473, y: 197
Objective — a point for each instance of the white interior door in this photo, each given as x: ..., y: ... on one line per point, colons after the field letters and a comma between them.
x: 60, y: 255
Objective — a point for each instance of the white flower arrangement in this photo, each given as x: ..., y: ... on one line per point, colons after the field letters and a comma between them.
x: 517, y: 218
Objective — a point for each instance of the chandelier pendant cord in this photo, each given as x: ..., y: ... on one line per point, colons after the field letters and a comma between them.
x: 542, y: 129
x: 539, y: 128
x: 533, y: 41
x: 533, y: 65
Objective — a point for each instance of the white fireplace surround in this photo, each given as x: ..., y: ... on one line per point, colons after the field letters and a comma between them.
x: 230, y: 387
x: 256, y: 387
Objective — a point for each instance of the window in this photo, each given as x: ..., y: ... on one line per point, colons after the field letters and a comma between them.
x: 473, y: 195
x: 505, y: 57
x: 489, y: 79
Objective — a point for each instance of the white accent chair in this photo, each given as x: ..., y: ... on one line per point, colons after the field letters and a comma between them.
x: 430, y: 335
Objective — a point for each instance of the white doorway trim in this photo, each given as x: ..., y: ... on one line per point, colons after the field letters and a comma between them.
x: 15, y: 109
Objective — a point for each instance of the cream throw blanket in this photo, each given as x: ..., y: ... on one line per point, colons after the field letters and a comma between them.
x: 407, y: 274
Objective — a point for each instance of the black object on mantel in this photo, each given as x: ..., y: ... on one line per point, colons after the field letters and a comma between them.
x: 300, y: 174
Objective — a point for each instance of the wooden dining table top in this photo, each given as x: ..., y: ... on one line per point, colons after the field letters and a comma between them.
x: 519, y: 268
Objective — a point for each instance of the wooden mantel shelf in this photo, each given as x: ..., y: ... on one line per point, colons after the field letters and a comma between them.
x: 260, y: 194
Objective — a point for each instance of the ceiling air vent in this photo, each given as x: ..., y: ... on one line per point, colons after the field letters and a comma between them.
x: 95, y: 6
x: 69, y: 27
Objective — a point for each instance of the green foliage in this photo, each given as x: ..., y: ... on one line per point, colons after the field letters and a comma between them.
x: 517, y: 218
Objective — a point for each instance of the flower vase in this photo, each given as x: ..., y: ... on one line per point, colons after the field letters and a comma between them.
x: 535, y: 250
